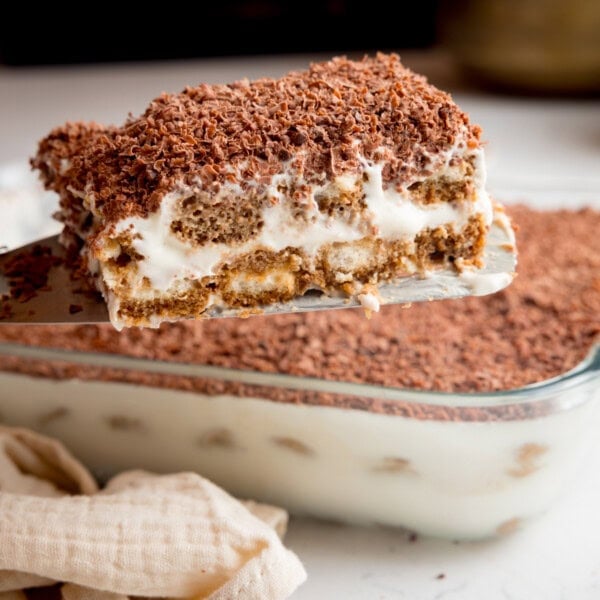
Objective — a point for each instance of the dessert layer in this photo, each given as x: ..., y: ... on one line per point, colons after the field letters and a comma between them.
x: 180, y: 242
x: 345, y: 175
x: 539, y: 327
x: 164, y: 265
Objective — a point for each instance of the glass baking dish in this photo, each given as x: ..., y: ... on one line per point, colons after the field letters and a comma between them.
x: 460, y: 466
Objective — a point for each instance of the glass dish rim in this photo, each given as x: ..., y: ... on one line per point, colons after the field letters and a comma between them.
x: 586, y: 370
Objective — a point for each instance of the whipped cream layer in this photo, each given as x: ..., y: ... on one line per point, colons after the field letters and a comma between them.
x: 170, y: 264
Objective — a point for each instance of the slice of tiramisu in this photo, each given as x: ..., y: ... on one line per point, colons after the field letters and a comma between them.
x: 337, y: 178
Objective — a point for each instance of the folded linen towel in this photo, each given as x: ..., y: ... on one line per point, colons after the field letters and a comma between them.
x: 170, y: 536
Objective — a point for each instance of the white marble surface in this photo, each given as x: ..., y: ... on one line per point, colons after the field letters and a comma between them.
x: 542, y: 151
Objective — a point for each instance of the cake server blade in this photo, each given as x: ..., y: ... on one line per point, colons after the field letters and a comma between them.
x: 62, y: 300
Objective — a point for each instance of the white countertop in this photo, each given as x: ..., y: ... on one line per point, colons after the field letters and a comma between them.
x: 541, y: 151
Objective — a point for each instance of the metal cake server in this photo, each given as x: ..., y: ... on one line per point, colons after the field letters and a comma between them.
x: 62, y: 300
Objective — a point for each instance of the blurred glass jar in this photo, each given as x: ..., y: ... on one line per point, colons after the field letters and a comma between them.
x: 529, y: 45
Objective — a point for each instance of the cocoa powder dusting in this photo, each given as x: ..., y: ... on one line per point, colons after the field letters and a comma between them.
x: 539, y: 327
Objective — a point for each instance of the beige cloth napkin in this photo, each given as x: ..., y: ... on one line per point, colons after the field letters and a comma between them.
x: 171, y: 536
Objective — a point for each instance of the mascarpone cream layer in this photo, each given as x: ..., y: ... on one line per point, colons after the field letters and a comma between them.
x: 169, y: 263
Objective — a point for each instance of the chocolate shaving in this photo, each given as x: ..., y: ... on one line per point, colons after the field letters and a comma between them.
x: 321, y: 119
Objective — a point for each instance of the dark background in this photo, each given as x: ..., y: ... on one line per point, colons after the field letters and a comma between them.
x: 106, y: 32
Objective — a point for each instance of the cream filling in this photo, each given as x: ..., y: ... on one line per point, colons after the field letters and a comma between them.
x: 170, y: 263
x: 369, y: 301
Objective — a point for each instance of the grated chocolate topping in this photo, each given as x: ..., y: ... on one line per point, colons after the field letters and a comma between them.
x: 321, y: 120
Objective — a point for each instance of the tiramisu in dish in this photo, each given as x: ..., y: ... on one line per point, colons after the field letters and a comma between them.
x: 337, y: 179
